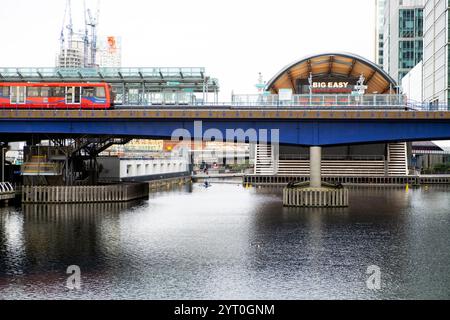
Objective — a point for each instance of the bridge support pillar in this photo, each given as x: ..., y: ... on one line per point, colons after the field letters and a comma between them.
x: 315, y: 193
x: 315, y: 164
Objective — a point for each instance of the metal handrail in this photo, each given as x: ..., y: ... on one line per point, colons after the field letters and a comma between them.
x: 325, y: 100
x: 422, y: 106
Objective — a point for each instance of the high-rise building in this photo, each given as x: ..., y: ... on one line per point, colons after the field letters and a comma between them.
x: 379, y: 35
x: 436, y: 53
x: 71, y: 56
x: 402, y: 36
x: 109, y: 52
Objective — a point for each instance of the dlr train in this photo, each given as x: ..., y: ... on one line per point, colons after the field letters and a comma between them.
x: 56, y: 95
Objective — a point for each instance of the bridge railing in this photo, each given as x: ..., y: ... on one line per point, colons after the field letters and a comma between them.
x: 325, y: 100
x: 422, y: 106
x: 368, y: 101
x: 6, y: 187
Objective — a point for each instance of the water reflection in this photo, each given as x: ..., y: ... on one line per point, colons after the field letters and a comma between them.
x: 228, y: 242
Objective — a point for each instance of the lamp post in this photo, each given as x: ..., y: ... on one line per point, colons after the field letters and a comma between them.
x: 310, y: 81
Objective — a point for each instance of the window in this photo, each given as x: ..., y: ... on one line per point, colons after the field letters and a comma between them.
x: 57, y: 92
x: 100, y: 92
x: 33, y: 92
x: 77, y: 95
x: 4, y: 91
x: 45, y: 92
x: 410, y: 23
x: 88, y: 92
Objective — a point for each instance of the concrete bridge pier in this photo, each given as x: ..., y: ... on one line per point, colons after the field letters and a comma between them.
x: 315, y: 164
x: 315, y: 193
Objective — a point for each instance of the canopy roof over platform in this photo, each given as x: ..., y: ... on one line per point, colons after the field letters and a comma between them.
x: 333, y: 67
x: 155, y: 79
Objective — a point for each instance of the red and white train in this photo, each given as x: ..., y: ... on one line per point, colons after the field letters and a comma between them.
x: 55, y: 95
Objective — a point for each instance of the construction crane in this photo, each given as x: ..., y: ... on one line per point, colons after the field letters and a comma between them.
x: 91, y: 42
x: 67, y: 11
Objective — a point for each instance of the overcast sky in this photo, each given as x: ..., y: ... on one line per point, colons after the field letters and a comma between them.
x: 232, y: 39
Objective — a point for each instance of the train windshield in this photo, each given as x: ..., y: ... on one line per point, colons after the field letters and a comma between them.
x: 100, y: 92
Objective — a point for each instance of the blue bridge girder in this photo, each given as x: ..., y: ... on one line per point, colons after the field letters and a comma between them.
x: 295, y: 128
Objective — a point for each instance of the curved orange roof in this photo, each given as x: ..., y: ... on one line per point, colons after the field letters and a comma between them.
x: 340, y: 66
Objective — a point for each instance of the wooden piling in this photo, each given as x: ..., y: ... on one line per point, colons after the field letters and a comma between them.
x: 85, y: 194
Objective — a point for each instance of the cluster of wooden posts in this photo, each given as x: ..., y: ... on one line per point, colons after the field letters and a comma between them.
x: 298, y: 197
x: 84, y: 194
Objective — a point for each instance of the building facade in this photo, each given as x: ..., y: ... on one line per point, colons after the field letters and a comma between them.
x: 109, y: 52
x: 379, y: 34
x: 334, y: 77
x: 72, y: 57
x: 402, y: 36
x: 436, y: 56
x: 117, y: 169
x: 412, y: 84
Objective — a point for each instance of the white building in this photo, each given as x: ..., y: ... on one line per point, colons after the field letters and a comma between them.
x: 72, y: 56
x: 436, y: 54
x: 124, y: 169
x: 412, y: 84
x: 379, y: 35
x: 109, y: 52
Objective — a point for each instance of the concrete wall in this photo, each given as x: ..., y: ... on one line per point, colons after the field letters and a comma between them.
x: 115, y: 168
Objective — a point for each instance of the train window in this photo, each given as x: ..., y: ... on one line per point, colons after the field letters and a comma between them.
x: 88, y: 92
x: 77, y: 95
x: 4, y: 91
x: 100, y: 92
x: 69, y: 95
x: 33, y: 92
x: 57, y: 92
x: 45, y: 92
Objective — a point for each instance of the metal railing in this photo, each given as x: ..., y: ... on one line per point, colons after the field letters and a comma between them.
x: 370, y: 101
x: 325, y: 100
x: 423, y: 106
x: 6, y: 187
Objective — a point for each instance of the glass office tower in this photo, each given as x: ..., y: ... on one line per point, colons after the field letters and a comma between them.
x: 403, y: 36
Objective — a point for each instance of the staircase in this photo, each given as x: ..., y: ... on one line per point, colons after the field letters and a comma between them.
x: 264, y: 160
x: 333, y: 168
x: 359, y: 166
x: 397, y: 159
